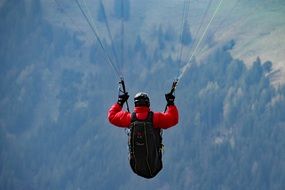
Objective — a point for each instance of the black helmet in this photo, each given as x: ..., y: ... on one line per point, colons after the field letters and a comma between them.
x: 141, y: 99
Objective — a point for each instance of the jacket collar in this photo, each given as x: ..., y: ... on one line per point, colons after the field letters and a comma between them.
x: 141, y: 109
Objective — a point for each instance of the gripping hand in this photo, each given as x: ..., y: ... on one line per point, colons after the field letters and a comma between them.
x: 123, y: 98
x: 170, y: 99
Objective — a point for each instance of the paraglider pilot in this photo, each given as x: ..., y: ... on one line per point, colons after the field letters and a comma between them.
x: 145, y: 140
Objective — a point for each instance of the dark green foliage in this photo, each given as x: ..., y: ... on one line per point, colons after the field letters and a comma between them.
x: 122, y: 9
x: 101, y: 15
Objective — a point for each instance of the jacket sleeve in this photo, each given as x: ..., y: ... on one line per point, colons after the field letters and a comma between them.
x: 118, y: 117
x: 167, y: 119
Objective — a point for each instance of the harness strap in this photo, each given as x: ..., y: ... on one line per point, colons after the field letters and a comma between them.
x: 148, y: 119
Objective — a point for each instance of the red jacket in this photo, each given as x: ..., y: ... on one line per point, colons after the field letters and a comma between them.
x: 122, y: 118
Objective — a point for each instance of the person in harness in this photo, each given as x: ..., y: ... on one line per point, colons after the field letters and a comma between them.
x: 145, y: 141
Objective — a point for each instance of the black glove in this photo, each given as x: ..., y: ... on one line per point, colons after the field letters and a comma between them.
x: 170, y: 99
x: 123, y: 98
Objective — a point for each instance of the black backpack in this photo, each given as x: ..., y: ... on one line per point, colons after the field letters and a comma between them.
x: 145, y: 146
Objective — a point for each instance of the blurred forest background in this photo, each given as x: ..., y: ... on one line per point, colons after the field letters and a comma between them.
x: 56, y: 88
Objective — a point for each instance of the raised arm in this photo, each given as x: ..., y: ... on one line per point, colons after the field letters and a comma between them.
x: 167, y: 119
x: 119, y: 117
x: 170, y: 117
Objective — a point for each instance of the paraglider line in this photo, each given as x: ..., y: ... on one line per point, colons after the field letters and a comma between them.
x: 122, y: 32
x: 185, y: 15
x: 201, y: 24
x: 98, y: 38
x: 109, y: 32
x: 188, y: 64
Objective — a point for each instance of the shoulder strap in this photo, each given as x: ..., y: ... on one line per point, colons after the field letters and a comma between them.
x: 150, y: 117
x: 133, y: 117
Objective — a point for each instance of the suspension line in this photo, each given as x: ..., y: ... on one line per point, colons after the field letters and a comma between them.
x: 188, y: 63
x: 102, y: 7
x: 90, y: 21
x: 184, y: 17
